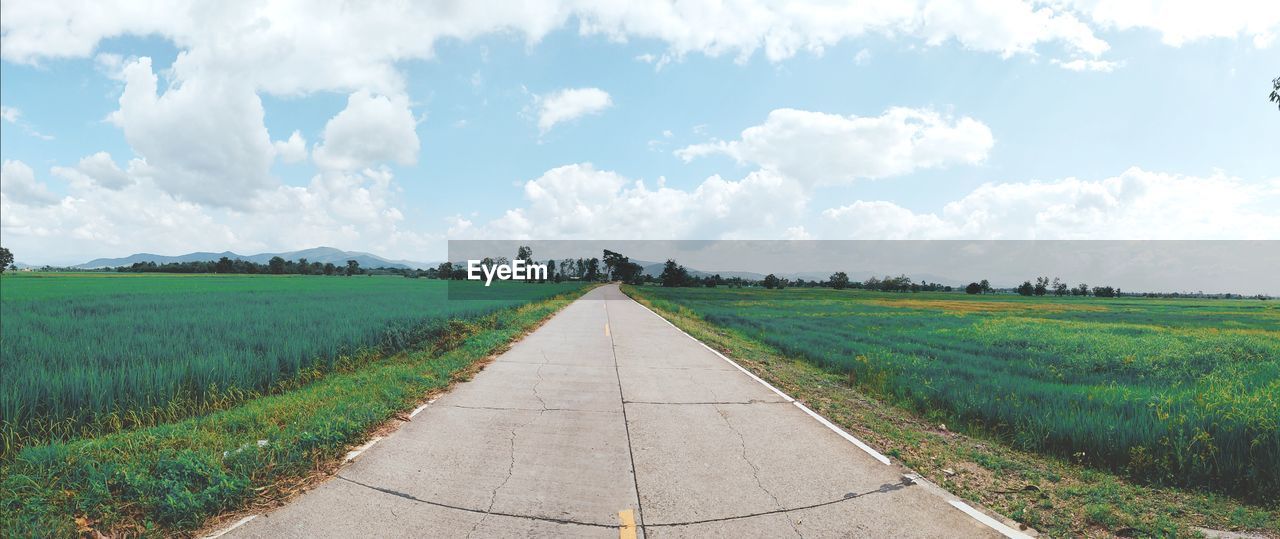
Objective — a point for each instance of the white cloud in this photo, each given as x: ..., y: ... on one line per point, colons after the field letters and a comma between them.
x: 10, y: 114
x: 99, y: 168
x: 862, y: 58
x: 1081, y: 64
x: 824, y: 149
x: 292, y: 150
x: 18, y: 183
x: 569, y: 104
x: 372, y: 129
x: 1185, y: 21
x: 1137, y: 204
x: 343, y: 209
x: 580, y: 201
x: 219, y: 159
x: 291, y: 48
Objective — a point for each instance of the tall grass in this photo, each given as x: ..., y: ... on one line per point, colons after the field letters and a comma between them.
x: 1182, y: 392
x: 85, y: 354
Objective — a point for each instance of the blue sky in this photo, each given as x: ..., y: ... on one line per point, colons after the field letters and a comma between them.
x: 447, y: 128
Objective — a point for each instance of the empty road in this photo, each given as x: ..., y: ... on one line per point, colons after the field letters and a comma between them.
x: 607, y: 421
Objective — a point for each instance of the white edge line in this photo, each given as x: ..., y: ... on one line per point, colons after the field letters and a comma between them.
x: 421, y: 408
x: 843, y: 434
x: 990, y: 522
x: 875, y: 454
x: 721, y: 356
x: 228, y: 529
x: 357, y: 451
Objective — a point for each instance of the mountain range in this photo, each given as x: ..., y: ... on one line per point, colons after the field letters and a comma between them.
x: 317, y: 254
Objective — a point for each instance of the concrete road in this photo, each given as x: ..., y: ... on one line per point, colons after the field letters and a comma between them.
x: 607, y: 421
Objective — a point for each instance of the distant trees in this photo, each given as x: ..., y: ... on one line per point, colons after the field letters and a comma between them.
x: 986, y: 286
x: 303, y: 267
x: 772, y: 281
x: 353, y: 267
x: 1026, y: 288
x: 839, y: 280
x: 224, y: 265
x: 6, y: 259
x: 1080, y: 290
x: 525, y: 253
x: 1042, y: 286
x: 329, y: 268
x: 619, y: 267
x: 973, y: 288
x: 674, y: 274
x: 276, y: 265
x: 1059, y: 287
x: 445, y: 270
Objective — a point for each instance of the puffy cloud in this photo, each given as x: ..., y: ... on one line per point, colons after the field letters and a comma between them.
x: 219, y: 159
x: 1081, y: 64
x: 303, y: 46
x: 1137, y: 204
x: 18, y: 183
x: 823, y: 149
x: 1181, y: 21
x: 292, y: 150
x: 10, y: 114
x: 343, y: 209
x: 579, y: 201
x: 99, y: 168
x: 372, y: 129
x: 569, y: 104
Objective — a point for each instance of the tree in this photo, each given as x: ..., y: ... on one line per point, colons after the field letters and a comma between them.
x: 1059, y: 287
x: 1026, y: 288
x: 839, y: 280
x: 1275, y: 91
x: 772, y: 281
x: 276, y: 265
x: 6, y: 258
x: 329, y: 268
x: 303, y: 267
x: 224, y: 265
x: 674, y: 274
x: 525, y: 253
x: 445, y: 270
x: 986, y: 286
x: 1081, y: 290
x: 973, y: 288
x: 1042, y: 286
x: 353, y: 267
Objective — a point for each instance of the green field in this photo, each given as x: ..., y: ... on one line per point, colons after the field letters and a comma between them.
x: 1177, y: 392
x: 91, y: 353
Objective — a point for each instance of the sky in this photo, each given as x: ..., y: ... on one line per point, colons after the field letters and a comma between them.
x: 393, y: 127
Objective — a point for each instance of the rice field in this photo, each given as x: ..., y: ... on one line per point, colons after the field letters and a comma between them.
x: 86, y: 353
x: 1177, y: 392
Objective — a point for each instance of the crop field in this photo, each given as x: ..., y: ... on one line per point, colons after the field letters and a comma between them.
x: 1177, y: 392
x: 88, y: 353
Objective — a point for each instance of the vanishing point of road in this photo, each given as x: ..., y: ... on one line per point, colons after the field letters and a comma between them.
x: 607, y: 421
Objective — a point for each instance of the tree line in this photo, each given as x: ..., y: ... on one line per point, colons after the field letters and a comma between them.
x: 275, y: 266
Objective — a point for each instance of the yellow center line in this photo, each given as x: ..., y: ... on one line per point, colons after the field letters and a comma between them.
x: 627, y: 519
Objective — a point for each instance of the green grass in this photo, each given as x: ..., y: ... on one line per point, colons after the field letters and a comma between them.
x: 1059, y: 496
x: 169, y: 479
x: 86, y: 354
x: 1172, y: 392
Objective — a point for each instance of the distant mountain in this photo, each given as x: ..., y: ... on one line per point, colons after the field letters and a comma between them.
x: 317, y: 254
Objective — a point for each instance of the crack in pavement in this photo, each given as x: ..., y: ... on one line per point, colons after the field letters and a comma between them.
x: 511, y: 467
x: 755, y: 470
